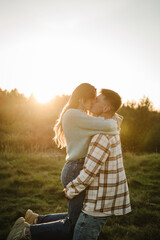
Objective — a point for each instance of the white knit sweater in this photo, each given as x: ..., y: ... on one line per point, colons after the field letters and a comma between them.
x: 78, y: 128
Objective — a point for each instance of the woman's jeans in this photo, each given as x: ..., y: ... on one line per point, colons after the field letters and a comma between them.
x: 70, y: 171
x: 50, y: 227
x: 60, y: 226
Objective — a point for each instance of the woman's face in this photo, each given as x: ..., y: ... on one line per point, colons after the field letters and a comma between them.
x: 88, y: 104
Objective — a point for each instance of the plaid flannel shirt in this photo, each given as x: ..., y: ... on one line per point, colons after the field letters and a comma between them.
x: 103, y: 177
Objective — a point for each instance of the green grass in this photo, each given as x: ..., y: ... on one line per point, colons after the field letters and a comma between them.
x: 33, y: 181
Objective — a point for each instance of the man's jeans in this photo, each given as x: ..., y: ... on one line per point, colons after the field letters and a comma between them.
x: 61, y: 226
x: 88, y: 227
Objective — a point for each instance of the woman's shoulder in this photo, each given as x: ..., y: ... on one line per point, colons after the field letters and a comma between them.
x: 72, y: 113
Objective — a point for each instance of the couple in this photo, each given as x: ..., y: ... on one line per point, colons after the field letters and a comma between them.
x: 93, y: 177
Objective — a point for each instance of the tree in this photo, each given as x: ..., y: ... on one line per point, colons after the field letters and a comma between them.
x: 152, y: 140
x: 146, y: 104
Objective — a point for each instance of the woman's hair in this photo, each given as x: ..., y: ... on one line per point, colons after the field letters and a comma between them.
x: 83, y: 92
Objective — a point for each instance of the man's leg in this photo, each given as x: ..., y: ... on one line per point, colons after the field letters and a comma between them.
x: 88, y: 227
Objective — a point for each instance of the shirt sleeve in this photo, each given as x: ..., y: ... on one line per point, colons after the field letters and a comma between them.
x: 84, y: 121
x: 98, y: 152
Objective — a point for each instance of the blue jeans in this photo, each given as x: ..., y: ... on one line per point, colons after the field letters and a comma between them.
x: 88, y: 227
x: 70, y: 171
x: 60, y: 226
x: 50, y: 227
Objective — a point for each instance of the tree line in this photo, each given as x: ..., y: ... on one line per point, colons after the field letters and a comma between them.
x: 26, y: 125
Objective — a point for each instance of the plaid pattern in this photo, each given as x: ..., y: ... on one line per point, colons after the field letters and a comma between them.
x: 103, y: 177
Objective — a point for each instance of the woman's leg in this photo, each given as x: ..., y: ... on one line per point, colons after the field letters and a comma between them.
x: 74, y: 207
x: 58, y: 230
x: 51, y: 217
x: 70, y: 171
x: 33, y: 218
x: 60, y: 226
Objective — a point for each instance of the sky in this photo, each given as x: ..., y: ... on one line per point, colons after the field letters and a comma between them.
x: 49, y: 47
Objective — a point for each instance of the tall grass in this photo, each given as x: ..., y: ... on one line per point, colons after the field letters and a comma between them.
x: 32, y: 180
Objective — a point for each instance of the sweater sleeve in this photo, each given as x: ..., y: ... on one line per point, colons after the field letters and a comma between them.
x: 84, y: 121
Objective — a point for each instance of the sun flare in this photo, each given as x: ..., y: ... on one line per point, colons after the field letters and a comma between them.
x: 46, y: 92
x: 43, y: 97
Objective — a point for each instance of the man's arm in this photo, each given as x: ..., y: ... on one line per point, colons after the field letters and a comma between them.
x: 98, y: 152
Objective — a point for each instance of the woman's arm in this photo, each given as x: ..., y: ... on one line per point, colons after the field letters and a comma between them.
x: 82, y: 120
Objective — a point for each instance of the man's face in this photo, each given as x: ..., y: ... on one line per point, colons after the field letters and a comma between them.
x: 99, y: 104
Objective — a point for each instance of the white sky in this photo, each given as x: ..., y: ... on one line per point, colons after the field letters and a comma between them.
x: 48, y: 47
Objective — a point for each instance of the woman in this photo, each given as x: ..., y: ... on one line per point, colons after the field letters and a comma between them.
x: 73, y: 130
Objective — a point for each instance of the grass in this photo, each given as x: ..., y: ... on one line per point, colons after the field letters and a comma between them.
x: 32, y: 180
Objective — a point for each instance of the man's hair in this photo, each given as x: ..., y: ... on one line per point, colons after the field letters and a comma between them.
x: 113, y: 98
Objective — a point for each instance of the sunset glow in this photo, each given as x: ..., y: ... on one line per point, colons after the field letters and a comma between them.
x: 50, y: 52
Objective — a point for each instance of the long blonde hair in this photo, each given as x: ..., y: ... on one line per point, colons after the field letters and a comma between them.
x: 83, y: 92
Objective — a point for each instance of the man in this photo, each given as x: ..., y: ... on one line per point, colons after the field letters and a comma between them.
x: 103, y: 176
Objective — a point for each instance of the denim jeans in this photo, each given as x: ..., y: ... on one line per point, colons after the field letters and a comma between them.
x: 88, y: 227
x: 70, y: 171
x: 50, y: 227
x: 60, y: 226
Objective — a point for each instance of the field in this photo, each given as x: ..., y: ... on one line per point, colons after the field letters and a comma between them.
x: 32, y: 180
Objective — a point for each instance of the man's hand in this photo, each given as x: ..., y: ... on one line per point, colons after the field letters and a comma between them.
x: 65, y: 193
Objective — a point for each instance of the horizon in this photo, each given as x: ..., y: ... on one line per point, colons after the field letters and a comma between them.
x: 61, y: 95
